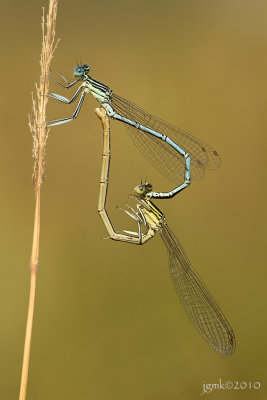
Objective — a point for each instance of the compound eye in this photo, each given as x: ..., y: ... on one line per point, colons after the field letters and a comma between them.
x: 78, y: 72
x: 148, y: 187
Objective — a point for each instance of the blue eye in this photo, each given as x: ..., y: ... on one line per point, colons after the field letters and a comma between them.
x: 78, y: 72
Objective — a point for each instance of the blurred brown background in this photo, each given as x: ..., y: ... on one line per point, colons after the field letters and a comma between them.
x: 107, y: 322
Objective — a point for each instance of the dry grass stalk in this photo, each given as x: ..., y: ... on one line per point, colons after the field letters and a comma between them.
x: 39, y: 133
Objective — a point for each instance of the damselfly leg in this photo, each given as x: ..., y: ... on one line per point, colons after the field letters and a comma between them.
x: 67, y: 101
x: 69, y: 84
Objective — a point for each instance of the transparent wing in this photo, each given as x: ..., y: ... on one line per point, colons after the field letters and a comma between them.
x: 198, y: 303
x: 159, y: 153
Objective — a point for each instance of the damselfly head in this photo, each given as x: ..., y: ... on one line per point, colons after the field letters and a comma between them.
x: 143, y: 188
x: 80, y: 71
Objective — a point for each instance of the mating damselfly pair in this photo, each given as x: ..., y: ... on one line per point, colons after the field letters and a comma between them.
x: 179, y: 156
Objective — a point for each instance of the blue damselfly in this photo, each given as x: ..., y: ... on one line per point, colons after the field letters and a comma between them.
x: 178, y: 155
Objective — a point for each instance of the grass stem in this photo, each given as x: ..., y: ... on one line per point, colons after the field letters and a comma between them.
x: 40, y: 134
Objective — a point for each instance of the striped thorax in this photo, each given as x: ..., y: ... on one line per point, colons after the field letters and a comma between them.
x: 152, y: 215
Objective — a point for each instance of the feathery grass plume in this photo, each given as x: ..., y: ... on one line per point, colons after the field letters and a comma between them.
x: 39, y: 133
x: 37, y: 126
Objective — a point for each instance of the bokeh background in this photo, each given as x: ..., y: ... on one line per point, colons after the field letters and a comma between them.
x: 107, y: 321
